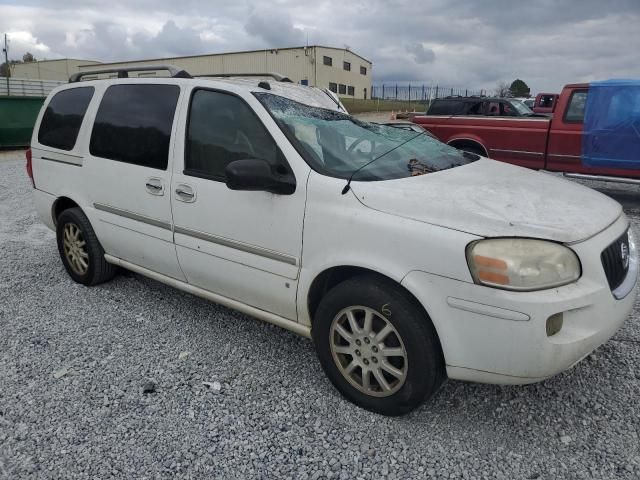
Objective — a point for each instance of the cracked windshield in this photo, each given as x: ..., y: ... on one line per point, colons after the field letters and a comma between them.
x: 336, y: 144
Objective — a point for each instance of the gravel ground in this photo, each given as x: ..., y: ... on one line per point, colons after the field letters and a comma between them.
x: 76, y: 365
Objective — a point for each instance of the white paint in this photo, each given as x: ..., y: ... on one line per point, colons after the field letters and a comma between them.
x: 413, y: 230
x: 495, y: 199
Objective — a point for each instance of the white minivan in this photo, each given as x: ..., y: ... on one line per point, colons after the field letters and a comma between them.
x: 405, y: 260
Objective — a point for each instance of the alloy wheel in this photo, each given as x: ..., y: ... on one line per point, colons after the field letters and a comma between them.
x: 368, y: 351
x: 75, y: 249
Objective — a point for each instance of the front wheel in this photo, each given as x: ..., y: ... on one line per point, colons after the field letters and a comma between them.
x: 377, y: 346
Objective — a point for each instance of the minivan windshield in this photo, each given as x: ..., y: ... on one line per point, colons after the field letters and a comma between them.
x: 336, y: 144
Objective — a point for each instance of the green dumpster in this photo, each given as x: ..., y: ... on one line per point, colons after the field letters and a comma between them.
x: 17, y: 117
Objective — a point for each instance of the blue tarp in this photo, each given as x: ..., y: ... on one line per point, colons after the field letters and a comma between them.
x: 611, y: 135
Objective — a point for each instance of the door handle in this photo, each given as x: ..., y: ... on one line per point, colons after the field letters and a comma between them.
x: 185, y: 193
x: 154, y: 186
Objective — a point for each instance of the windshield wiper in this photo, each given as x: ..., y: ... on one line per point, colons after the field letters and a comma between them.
x: 348, y: 185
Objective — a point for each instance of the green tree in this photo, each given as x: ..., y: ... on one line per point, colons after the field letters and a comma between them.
x: 28, y: 58
x: 519, y: 89
x: 4, y: 70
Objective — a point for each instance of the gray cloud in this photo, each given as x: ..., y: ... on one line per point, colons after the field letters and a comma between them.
x: 450, y: 42
x: 421, y: 54
x: 275, y: 28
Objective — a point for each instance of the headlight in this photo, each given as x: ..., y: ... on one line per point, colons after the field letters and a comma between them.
x: 522, y: 264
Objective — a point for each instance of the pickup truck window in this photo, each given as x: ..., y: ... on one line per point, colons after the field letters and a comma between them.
x: 336, y: 144
x: 575, y: 110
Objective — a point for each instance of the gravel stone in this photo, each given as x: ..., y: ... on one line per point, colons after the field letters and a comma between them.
x: 147, y: 387
x: 277, y: 415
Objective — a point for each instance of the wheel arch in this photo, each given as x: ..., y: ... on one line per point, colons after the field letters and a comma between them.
x: 461, y: 142
x: 60, y: 205
x: 332, y: 276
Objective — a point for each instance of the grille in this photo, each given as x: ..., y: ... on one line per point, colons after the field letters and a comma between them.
x: 615, y: 260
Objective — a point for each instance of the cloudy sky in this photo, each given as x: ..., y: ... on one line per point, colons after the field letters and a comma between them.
x: 467, y: 43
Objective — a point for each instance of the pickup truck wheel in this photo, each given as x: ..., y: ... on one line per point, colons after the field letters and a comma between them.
x: 80, y: 250
x: 378, y: 348
x: 474, y: 150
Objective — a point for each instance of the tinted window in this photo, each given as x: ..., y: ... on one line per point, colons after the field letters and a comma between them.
x: 546, y: 101
x: 363, y: 70
x: 575, y: 110
x: 351, y: 91
x: 63, y: 117
x: 223, y: 128
x: 133, y: 124
x: 446, y: 107
x: 473, y: 108
x: 327, y: 60
x: 346, y: 66
x: 333, y: 87
x: 342, y: 89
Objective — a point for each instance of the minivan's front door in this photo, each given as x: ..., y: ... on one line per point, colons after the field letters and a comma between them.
x: 129, y: 176
x: 244, y: 245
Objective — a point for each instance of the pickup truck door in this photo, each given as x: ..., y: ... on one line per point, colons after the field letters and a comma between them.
x: 243, y: 245
x: 564, y: 146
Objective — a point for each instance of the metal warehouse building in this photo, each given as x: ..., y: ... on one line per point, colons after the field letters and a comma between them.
x: 340, y: 70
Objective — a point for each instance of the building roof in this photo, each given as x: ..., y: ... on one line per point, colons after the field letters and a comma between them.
x: 164, y: 59
x: 62, y: 60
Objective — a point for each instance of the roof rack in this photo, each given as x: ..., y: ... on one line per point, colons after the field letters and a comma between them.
x: 276, y: 76
x: 123, y: 72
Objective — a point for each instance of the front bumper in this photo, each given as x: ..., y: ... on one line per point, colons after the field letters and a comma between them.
x: 498, y: 336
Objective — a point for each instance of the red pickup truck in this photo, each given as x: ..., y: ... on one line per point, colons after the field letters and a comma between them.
x: 554, y: 144
x: 545, y: 102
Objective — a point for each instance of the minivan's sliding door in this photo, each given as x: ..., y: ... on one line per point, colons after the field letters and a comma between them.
x: 129, y: 174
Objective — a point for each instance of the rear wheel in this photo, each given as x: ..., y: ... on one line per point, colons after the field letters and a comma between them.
x: 377, y: 346
x: 80, y: 250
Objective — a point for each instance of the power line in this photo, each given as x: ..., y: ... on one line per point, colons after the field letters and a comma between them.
x: 7, y: 71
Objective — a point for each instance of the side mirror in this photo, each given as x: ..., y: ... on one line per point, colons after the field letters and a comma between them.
x: 258, y: 175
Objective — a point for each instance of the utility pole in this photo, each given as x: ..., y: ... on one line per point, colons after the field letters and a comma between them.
x: 6, y: 60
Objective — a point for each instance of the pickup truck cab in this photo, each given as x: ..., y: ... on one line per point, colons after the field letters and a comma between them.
x: 547, y: 143
x: 405, y: 260
x: 545, y: 103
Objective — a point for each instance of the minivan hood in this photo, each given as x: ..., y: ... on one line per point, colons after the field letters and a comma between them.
x: 494, y: 199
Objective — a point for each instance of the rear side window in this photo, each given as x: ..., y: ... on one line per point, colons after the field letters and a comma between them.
x: 575, y: 110
x: 63, y: 117
x: 446, y: 107
x: 133, y: 124
x: 223, y: 128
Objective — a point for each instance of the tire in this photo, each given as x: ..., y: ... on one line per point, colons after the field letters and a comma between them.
x: 422, y: 366
x: 474, y: 150
x: 82, y: 255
